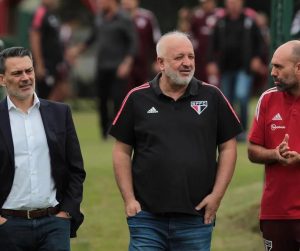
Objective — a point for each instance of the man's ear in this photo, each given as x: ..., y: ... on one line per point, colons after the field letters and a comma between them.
x: 160, y: 62
x: 297, y: 69
x: 2, y: 80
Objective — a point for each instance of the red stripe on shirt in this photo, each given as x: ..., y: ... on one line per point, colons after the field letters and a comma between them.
x: 231, y: 108
x: 144, y: 86
x: 38, y: 17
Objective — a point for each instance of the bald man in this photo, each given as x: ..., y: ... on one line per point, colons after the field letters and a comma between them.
x: 167, y: 133
x: 274, y: 140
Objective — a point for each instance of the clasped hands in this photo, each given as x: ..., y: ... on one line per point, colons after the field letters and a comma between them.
x: 284, y: 155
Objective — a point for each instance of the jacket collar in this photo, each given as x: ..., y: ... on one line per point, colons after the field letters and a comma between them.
x: 5, y: 127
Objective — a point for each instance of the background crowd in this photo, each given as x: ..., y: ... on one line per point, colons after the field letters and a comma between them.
x: 115, y: 51
x: 104, y: 53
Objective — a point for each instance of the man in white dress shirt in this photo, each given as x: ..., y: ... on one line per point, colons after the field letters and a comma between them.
x: 41, y: 167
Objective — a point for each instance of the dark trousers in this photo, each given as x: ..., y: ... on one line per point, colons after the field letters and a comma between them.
x: 49, y: 233
x: 109, y: 88
x: 281, y: 235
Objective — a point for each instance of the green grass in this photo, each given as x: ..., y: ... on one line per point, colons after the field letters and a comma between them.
x: 105, y: 228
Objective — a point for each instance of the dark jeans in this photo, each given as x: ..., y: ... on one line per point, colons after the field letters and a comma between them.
x: 49, y: 233
x: 109, y: 88
x: 281, y: 235
x: 150, y: 232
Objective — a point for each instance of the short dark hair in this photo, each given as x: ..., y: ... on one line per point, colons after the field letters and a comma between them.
x: 12, y: 52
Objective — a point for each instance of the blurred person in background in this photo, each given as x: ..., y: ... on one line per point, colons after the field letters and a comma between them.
x: 203, y: 20
x: 261, y: 76
x: 274, y: 141
x: 48, y: 52
x: 184, y: 20
x: 235, y: 53
x: 148, y: 32
x: 116, y: 39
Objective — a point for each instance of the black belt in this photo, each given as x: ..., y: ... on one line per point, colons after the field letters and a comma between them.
x: 30, y: 214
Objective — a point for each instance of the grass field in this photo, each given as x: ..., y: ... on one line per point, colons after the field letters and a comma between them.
x: 105, y: 228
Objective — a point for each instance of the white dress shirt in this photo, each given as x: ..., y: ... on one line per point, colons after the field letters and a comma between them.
x: 33, y: 186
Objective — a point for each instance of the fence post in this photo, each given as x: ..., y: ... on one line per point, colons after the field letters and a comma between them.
x: 281, y: 19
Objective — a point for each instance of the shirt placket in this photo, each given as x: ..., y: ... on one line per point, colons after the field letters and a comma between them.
x: 30, y: 144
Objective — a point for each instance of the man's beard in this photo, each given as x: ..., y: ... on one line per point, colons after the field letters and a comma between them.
x: 284, y: 87
x: 177, y: 79
x: 281, y: 87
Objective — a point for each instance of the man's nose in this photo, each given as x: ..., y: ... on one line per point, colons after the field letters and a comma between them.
x: 187, y: 61
x: 24, y: 76
x: 273, y: 72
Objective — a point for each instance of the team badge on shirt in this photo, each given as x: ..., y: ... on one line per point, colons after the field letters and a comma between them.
x: 199, y: 106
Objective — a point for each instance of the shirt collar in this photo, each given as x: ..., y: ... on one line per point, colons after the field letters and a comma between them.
x: 192, y: 89
x: 36, y: 102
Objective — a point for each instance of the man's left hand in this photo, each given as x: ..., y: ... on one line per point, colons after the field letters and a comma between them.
x: 292, y: 158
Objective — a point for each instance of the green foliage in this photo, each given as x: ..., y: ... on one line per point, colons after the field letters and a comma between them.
x: 105, y: 224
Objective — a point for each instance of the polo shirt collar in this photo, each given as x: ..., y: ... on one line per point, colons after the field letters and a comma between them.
x: 192, y: 89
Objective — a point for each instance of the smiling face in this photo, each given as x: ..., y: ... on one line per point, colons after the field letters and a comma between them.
x: 18, y: 78
x: 176, y: 59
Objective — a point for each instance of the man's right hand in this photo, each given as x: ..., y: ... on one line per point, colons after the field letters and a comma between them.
x: 284, y: 155
x: 73, y: 52
x: 132, y: 208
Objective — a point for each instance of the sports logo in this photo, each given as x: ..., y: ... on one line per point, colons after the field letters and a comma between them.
x: 152, y: 110
x: 199, y: 106
x: 268, y: 245
x: 276, y: 127
x: 277, y: 117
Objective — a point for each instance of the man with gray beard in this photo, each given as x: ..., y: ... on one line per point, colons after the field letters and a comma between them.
x: 167, y: 132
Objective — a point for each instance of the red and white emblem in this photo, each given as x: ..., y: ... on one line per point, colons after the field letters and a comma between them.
x: 199, y: 106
